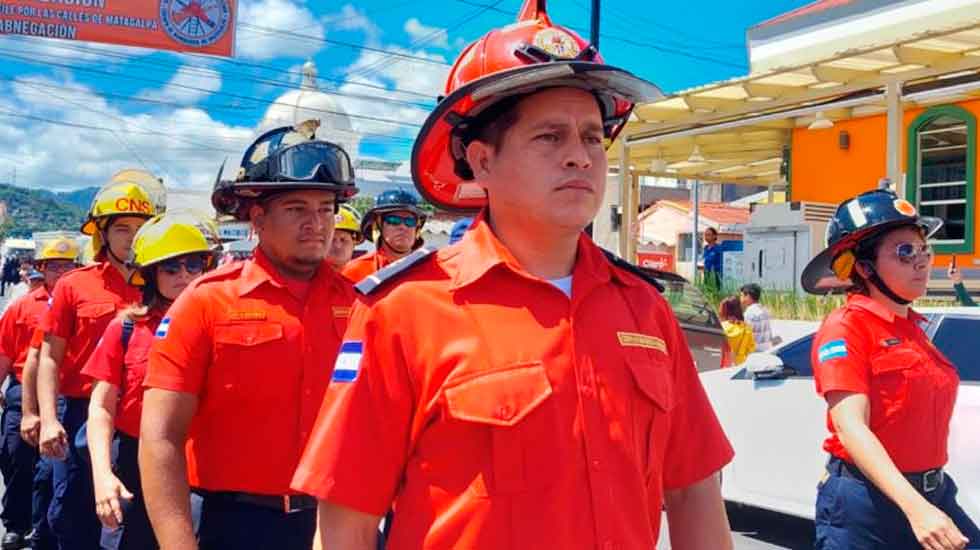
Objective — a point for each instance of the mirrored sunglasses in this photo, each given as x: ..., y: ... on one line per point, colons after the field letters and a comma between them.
x: 909, y: 253
x: 394, y: 219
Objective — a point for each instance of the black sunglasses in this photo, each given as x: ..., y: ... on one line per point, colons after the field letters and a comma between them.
x: 194, y: 265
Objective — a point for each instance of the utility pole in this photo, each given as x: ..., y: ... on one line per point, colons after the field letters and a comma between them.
x: 594, y: 36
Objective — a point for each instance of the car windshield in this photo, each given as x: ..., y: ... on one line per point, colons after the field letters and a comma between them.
x: 688, y: 303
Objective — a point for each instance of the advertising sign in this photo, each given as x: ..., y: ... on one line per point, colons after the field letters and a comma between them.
x: 662, y: 261
x: 199, y: 26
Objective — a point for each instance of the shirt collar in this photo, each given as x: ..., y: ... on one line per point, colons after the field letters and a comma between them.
x: 480, y: 251
x: 870, y: 305
x: 259, y: 270
x: 41, y: 293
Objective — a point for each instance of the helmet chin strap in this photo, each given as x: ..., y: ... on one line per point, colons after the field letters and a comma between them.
x: 876, y: 280
x: 108, y: 249
x: 382, y: 239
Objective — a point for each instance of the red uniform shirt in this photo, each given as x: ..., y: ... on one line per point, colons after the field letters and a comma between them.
x: 125, y: 369
x: 259, y: 359
x: 358, y: 269
x: 498, y: 413
x: 865, y: 348
x: 18, y: 324
x: 82, y: 304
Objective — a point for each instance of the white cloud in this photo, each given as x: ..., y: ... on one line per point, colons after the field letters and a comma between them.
x: 351, y: 19
x: 432, y: 36
x: 187, y: 86
x: 185, y: 146
x: 268, y: 29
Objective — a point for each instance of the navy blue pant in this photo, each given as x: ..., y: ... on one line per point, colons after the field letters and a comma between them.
x: 227, y: 524
x: 72, y: 511
x: 40, y: 503
x: 852, y: 514
x: 17, y: 461
x: 135, y: 533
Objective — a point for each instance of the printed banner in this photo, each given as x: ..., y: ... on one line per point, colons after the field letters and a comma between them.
x: 200, y: 26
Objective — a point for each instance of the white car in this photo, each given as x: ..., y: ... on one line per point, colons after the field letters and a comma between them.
x: 777, y: 423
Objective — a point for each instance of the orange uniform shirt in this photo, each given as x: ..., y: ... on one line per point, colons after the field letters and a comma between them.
x: 259, y: 359
x: 82, y: 304
x: 864, y: 348
x: 358, y: 269
x: 18, y: 324
x: 497, y: 413
x: 125, y: 369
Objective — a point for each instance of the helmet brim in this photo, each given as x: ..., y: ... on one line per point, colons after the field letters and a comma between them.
x: 819, y: 277
x: 232, y: 197
x: 433, y: 165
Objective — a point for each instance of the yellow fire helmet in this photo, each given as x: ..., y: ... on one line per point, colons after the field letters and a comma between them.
x: 128, y: 193
x: 171, y: 235
x: 349, y: 220
x: 56, y: 247
x: 89, y: 253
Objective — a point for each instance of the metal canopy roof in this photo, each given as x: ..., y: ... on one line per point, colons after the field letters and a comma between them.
x: 741, y: 126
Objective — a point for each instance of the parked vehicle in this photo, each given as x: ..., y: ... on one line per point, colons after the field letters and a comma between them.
x: 698, y: 320
x: 777, y: 423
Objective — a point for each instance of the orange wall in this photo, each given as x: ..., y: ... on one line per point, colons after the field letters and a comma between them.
x: 821, y: 171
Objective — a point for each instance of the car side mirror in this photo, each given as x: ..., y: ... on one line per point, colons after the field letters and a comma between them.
x: 762, y: 365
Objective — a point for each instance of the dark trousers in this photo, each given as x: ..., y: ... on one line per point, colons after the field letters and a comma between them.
x: 17, y: 462
x: 135, y: 533
x: 43, y: 538
x: 226, y: 523
x: 72, y: 512
x: 853, y: 514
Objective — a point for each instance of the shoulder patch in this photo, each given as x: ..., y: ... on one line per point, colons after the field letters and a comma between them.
x: 390, y: 272
x: 626, y: 266
x: 834, y: 349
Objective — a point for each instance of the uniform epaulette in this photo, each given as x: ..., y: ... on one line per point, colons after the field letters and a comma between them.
x: 391, y: 271
x: 220, y: 273
x: 623, y: 264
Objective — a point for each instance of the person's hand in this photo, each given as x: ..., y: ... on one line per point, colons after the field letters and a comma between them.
x: 109, y: 492
x: 53, y: 441
x: 954, y: 275
x: 934, y: 530
x: 30, y: 429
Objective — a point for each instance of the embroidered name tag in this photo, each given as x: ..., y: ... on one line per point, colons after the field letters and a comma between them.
x: 348, y: 362
x: 341, y: 312
x: 637, y: 340
x: 247, y: 316
x: 834, y: 349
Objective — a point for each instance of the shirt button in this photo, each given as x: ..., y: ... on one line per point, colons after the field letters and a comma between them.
x: 608, y: 545
x: 505, y: 412
x: 597, y: 464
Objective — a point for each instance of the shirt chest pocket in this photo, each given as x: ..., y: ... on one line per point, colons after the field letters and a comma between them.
x: 244, y: 353
x: 899, y: 375
x: 650, y: 404
x: 508, y: 409
x: 90, y: 316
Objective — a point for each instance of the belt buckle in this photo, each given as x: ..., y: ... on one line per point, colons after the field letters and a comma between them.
x: 931, y: 480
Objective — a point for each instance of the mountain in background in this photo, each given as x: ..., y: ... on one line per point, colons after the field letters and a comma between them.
x: 30, y: 210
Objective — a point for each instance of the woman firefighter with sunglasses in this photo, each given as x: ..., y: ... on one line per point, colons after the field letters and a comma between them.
x: 889, y: 391
x: 169, y: 252
x: 398, y: 220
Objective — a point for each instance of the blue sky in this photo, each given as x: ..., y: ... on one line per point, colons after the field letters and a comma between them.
x: 85, y: 111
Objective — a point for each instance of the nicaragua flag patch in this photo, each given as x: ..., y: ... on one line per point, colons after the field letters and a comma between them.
x: 834, y: 349
x: 162, y: 329
x: 348, y: 362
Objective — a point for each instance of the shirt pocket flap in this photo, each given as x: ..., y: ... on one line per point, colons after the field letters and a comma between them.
x: 652, y: 375
x: 500, y: 398
x: 247, y: 334
x: 94, y: 311
x: 895, y: 359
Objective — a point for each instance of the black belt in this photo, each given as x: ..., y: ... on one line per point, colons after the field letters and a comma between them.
x: 284, y: 503
x: 925, y: 482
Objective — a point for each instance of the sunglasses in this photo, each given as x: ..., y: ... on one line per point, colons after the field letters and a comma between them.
x: 909, y: 253
x: 194, y: 265
x: 393, y: 219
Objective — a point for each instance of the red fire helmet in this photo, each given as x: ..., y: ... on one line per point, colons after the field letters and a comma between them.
x: 529, y: 55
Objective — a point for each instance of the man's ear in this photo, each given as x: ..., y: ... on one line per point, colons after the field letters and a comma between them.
x: 478, y: 156
x: 256, y: 214
x: 864, y: 268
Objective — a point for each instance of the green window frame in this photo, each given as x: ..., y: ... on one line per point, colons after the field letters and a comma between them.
x: 913, y: 170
